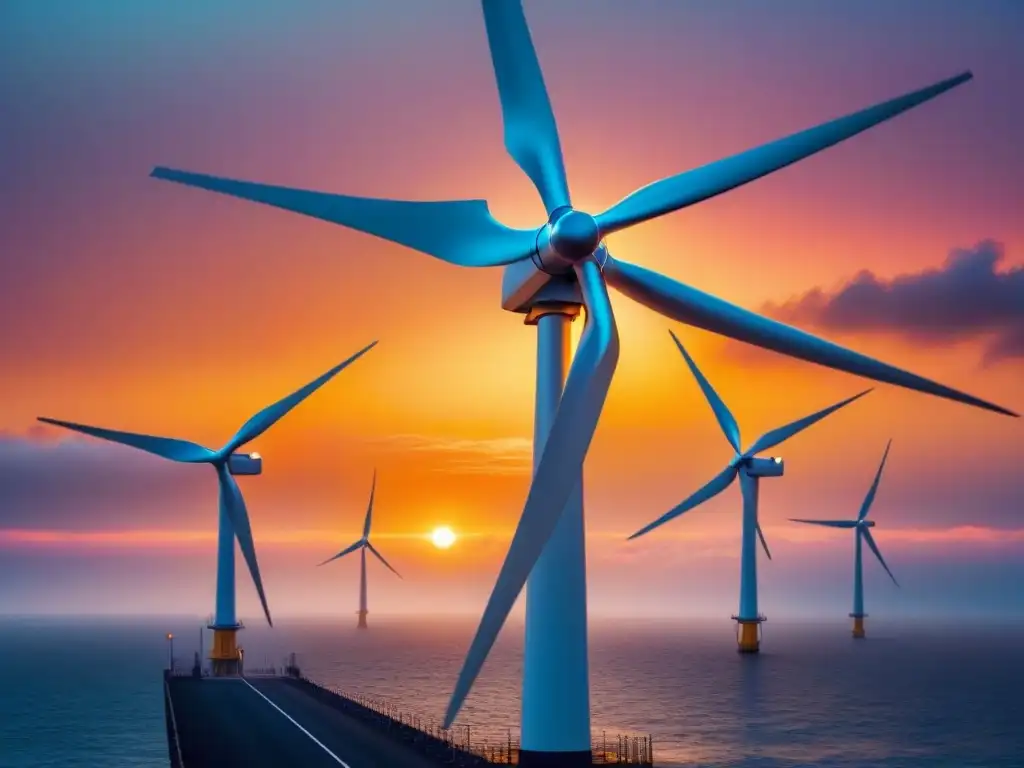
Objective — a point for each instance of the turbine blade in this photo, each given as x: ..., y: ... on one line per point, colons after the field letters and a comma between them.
x: 725, y: 418
x: 776, y: 436
x: 764, y: 543
x: 232, y: 502
x: 874, y: 548
x: 531, y: 134
x: 165, y: 447
x: 693, y: 186
x: 381, y: 558
x: 715, y: 486
x: 460, y: 232
x: 346, y: 551
x: 556, y: 474
x: 870, y: 498
x: 688, y: 305
x: 829, y: 523
x: 270, y: 415
x: 369, y: 508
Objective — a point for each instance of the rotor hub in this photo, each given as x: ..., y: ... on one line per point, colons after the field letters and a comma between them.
x: 575, y: 235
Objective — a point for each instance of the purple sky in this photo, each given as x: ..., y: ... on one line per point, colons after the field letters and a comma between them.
x: 136, y: 304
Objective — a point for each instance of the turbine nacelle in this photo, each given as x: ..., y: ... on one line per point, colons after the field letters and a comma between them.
x: 865, y: 523
x: 757, y: 467
x: 245, y: 464
x: 569, y: 237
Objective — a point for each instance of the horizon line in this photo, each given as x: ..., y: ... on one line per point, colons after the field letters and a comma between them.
x: 149, y: 538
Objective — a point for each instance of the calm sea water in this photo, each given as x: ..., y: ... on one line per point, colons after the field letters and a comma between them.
x: 86, y: 693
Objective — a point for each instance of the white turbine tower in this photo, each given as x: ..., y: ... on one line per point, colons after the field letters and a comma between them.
x: 551, y: 270
x: 233, y: 522
x: 750, y: 469
x: 362, y: 545
x: 861, y: 532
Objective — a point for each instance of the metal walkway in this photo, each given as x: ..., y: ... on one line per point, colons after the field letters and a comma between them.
x: 273, y: 723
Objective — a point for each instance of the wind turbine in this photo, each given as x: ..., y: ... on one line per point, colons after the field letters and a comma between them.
x: 551, y: 271
x: 362, y: 545
x: 750, y: 469
x: 862, y: 531
x: 233, y: 521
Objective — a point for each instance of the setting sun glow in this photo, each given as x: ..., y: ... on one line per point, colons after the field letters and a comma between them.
x: 442, y: 537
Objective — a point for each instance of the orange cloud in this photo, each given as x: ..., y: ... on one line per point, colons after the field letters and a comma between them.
x: 497, y: 455
x: 130, y: 539
x: 175, y: 538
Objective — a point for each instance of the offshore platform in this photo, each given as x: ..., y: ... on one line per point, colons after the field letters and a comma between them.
x: 267, y: 718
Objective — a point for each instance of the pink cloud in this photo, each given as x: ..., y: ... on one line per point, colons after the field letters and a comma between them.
x: 611, y: 544
x: 975, y: 534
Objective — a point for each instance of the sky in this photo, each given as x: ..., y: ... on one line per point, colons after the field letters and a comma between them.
x: 146, y: 306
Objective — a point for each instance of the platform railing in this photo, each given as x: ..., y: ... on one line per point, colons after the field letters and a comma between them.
x: 180, y: 671
x: 263, y: 672
x: 172, y: 725
x: 475, y: 745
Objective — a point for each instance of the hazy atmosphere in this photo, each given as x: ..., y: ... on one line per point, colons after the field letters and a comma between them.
x: 140, y: 305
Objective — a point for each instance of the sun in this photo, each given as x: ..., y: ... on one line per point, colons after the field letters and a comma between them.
x: 442, y: 537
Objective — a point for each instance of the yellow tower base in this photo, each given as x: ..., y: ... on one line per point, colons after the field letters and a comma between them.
x: 225, y: 656
x: 748, y: 635
x: 362, y: 619
x: 858, y: 626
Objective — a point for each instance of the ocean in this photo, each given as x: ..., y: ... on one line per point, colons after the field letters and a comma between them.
x: 86, y: 693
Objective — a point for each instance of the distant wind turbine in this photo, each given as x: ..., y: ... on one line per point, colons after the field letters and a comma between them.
x: 862, y: 531
x: 234, y: 518
x: 750, y: 470
x: 362, y: 545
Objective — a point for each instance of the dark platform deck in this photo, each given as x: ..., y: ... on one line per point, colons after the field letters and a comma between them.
x: 272, y: 722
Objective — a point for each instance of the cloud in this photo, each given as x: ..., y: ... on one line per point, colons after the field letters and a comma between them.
x: 607, y: 545
x: 959, y: 534
x: 965, y: 298
x: 131, y: 539
x: 178, y: 538
x: 48, y: 481
x: 491, y: 456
